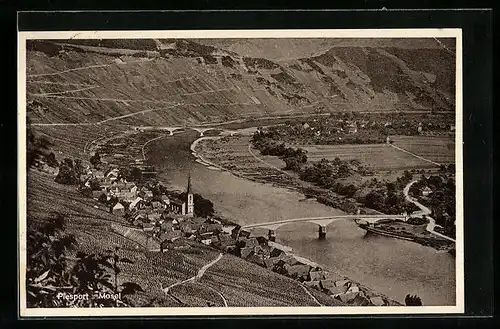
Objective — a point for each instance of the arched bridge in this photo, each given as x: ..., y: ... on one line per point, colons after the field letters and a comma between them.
x: 322, y: 222
x: 200, y: 130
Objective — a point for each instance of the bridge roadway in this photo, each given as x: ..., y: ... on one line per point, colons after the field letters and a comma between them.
x: 322, y: 222
x: 200, y: 130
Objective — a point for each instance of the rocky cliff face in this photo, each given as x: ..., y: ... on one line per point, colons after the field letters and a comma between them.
x: 171, y: 82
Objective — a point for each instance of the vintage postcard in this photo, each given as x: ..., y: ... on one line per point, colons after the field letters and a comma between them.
x: 230, y: 172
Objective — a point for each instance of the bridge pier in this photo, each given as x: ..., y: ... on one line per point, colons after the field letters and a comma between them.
x: 272, y: 235
x: 322, y: 232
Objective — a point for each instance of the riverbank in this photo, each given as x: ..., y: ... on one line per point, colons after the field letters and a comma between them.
x: 237, y: 157
x: 348, y: 249
x: 239, y: 164
x: 410, y: 232
x: 283, y: 260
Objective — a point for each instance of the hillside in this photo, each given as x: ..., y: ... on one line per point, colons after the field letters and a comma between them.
x: 175, y: 82
x: 286, y: 49
x: 240, y: 283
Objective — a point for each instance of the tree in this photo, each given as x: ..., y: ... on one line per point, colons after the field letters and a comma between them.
x: 103, y: 198
x: 407, y: 176
x: 66, y: 174
x: 136, y: 174
x: 51, y: 160
x: 95, y: 185
x: 95, y: 160
x: 51, y: 272
x: 46, y: 262
x: 413, y: 300
x: 34, y: 148
x: 78, y: 168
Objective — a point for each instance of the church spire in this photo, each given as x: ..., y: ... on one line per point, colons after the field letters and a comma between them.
x: 188, y: 191
x: 190, y: 199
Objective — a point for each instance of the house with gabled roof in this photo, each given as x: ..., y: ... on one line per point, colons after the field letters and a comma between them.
x: 137, y: 203
x: 118, y: 209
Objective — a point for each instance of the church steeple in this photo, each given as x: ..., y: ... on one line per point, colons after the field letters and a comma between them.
x: 190, y: 199
x: 188, y: 191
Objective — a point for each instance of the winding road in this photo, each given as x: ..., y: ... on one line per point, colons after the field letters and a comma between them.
x: 423, y: 211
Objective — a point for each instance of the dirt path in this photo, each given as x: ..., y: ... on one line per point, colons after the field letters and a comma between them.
x: 311, y: 295
x: 198, y: 276
x: 60, y: 83
x: 105, y: 99
x: 216, y: 292
x: 65, y: 92
x: 415, y: 155
x: 106, y: 120
x: 84, y: 68
x: 423, y: 211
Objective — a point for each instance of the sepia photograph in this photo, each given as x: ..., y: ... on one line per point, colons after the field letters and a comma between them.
x: 256, y: 172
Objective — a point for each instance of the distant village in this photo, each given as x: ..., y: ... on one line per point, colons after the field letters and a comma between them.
x: 356, y: 128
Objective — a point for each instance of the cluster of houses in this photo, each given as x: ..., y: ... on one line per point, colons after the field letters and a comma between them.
x: 344, y: 126
x: 281, y: 260
x: 138, y: 204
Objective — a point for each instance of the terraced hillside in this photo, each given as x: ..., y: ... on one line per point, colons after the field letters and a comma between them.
x: 172, y: 82
x: 96, y: 231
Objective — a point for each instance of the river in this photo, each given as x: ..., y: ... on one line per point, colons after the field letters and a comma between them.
x: 391, y: 266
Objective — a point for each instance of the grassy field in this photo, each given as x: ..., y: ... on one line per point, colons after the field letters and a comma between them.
x: 376, y: 156
x: 383, y: 157
x: 233, y: 154
x: 439, y: 149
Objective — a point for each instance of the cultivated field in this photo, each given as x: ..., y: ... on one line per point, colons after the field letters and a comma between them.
x: 376, y: 156
x: 385, y: 157
x: 439, y: 149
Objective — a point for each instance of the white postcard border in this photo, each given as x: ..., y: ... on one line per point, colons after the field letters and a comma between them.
x: 241, y: 311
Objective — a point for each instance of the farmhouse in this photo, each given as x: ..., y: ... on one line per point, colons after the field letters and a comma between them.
x: 157, y: 205
x: 113, y: 174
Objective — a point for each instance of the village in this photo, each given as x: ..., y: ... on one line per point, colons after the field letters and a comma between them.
x: 359, y: 128
x: 170, y: 219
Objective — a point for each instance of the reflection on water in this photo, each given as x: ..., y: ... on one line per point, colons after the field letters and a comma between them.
x: 391, y: 266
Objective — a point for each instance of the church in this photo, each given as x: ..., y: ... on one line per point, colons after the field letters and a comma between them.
x: 184, y: 207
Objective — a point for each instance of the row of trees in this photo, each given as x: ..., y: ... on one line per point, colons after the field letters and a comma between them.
x: 386, y: 197
x: 294, y: 158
